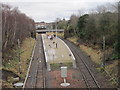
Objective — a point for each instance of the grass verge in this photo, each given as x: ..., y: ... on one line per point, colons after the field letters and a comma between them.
x: 56, y: 66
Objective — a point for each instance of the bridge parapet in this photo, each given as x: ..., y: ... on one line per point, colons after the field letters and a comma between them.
x: 50, y: 30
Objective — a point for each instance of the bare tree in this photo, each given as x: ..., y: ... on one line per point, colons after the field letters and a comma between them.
x: 73, y: 23
x: 16, y: 25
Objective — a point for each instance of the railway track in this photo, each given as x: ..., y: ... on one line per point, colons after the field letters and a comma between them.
x: 88, y: 77
x: 36, y: 77
x: 40, y: 71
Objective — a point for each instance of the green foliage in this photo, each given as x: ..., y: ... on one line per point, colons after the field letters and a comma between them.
x: 62, y: 24
x: 93, y: 27
x: 114, y: 56
x: 82, y: 21
x: 58, y: 65
x: 82, y: 25
x: 100, y: 69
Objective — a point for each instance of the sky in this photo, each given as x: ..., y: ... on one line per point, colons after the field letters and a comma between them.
x: 50, y: 10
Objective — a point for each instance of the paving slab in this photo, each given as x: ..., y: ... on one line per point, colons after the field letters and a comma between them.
x: 59, y: 54
x: 73, y: 77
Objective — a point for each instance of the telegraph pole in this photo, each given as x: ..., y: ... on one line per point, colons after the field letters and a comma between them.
x: 19, y: 57
x: 118, y: 48
x: 103, y: 62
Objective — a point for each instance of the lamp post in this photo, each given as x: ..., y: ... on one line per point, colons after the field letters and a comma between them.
x: 56, y: 34
x: 56, y: 30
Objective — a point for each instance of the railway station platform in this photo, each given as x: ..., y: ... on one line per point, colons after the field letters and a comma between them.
x: 56, y: 51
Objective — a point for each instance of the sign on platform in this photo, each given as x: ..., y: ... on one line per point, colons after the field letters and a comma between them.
x: 64, y: 72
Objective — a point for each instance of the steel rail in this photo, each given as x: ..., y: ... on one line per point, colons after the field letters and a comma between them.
x: 41, y: 62
x: 75, y: 51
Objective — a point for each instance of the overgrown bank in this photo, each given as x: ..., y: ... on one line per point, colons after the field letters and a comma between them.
x: 17, y: 44
x: 96, y: 54
x: 11, y: 68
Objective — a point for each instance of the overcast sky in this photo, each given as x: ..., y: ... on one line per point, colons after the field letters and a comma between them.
x: 49, y: 10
